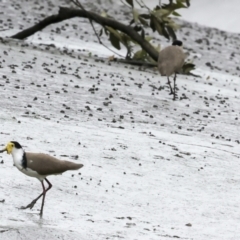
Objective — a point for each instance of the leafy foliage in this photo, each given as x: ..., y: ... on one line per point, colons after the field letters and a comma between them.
x: 187, y: 68
x: 158, y: 19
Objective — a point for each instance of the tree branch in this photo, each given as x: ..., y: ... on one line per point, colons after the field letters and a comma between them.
x: 68, y: 13
x: 78, y: 4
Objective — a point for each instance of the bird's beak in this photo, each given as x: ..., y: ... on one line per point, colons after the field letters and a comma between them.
x: 8, y: 148
x: 3, y: 150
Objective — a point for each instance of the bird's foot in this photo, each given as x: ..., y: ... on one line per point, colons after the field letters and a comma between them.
x: 175, y: 97
x: 41, y: 213
x: 30, y: 205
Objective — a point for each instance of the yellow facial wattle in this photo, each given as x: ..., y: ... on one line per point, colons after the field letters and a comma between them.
x: 9, y: 147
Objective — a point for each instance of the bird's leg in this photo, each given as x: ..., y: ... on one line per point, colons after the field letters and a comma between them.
x: 174, y: 86
x: 171, y: 90
x: 43, y: 198
x: 44, y: 194
x: 30, y: 205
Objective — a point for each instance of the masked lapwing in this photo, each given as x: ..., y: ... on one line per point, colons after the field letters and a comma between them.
x: 170, y: 61
x: 38, y: 165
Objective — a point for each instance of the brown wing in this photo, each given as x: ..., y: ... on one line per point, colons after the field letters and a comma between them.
x: 170, y: 60
x: 45, y: 164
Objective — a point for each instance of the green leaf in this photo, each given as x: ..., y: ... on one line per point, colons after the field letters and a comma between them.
x: 115, y: 32
x: 139, y: 55
x: 104, y: 14
x: 179, y: 4
x: 158, y: 48
x: 171, y: 32
x: 115, y: 41
x: 152, y: 25
x: 148, y: 38
x: 131, y: 22
x: 135, y: 15
x: 157, y: 26
x: 187, y: 67
x: 125, y: 38
x: 172, y: 24
x: 176, y: 14
x: 130, y: 2
x: 143, y: 21
x: 173, y: 6
x: 106, y: 31
x: 164, y: 31
x: 115, y: 37
x: 161, y: 13
x: 160, y: 27
x: 188, y: 3
x: 146, y: 16
x: 149, y: 59
x: 100, y: 32
x: 143, y: 33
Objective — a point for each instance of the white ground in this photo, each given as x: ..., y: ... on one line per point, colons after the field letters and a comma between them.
x: 153, y: 168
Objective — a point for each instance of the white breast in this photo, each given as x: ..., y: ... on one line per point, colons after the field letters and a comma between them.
x: 17, y: 155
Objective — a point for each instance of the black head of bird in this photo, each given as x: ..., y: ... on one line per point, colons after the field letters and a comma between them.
x: 170, y: 61
x: 177, y: 43
x: 38, y: 165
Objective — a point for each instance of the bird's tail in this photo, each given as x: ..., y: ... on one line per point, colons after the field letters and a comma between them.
x: 73, y: 166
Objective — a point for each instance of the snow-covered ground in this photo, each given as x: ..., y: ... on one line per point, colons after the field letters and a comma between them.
x: 153, y: 168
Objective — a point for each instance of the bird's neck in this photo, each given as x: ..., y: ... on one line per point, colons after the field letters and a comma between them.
x: 19, y: 158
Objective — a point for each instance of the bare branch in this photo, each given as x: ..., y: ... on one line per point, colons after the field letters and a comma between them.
x: 68, y: 13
